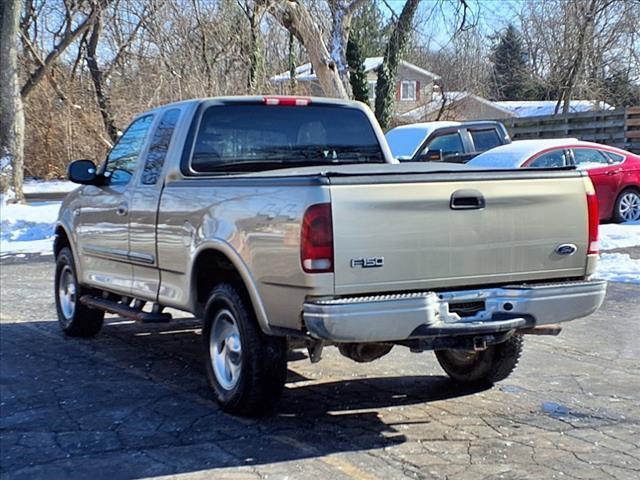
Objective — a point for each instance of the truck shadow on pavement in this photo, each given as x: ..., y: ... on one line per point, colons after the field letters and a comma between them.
x: 134, y: 402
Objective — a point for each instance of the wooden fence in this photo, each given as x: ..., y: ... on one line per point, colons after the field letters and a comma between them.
x: 619, y: 128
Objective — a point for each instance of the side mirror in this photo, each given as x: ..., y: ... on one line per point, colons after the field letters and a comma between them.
x: 83, y: 172
x: 431, y: 156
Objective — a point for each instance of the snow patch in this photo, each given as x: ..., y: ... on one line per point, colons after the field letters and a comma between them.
x: 49, y: 186
x: 618, y: 267
x: 27, y: 228
x: 623, y: 235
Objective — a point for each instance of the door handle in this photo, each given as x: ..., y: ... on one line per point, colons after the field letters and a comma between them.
x: 122, y: 209
x: 467, y: 200
x: 614, y: 172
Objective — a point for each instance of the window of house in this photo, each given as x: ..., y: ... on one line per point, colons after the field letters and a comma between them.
x: 372, y: 91
x: 123, y: 158
x: 408, y: 90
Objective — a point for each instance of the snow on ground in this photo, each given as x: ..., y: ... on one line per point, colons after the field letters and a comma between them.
x: 614, y: 235
x: 27, y: 228
x: 50, y: 186
x: 618, y: 267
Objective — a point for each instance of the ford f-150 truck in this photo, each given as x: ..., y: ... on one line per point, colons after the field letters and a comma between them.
x: 285, y: 222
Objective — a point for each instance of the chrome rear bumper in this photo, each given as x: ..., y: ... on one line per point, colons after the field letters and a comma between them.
x: 425, y: 315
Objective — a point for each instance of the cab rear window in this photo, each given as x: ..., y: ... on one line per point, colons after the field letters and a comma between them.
x: 261, y: 137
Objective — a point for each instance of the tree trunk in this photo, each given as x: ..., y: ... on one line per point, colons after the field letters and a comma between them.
x: 68, y: 37
x: 294, y: 16
x: 387, y: 72
x: 255, y: 56
x: 341, y: 14
x: 97, y: 77
x: 11, y: 109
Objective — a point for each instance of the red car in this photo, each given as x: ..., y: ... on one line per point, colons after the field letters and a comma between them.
x: 615, y: 173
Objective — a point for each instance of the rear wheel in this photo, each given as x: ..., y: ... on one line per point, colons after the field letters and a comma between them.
x: 246, y: 368
x: 482, y: 367
x: 627, y: 208
x: 75, y: 319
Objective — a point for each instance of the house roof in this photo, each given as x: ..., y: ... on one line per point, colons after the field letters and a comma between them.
x: 451, y: 98
x: 533, y: 108
x: 305, y: 73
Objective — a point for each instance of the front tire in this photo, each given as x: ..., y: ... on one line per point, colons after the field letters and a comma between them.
x: 245, y: 368
x: 74, y: 319
x: 627, y: 207
x: 483, y: 367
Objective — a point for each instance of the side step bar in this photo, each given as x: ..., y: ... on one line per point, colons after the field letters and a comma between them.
x: 124, y: 310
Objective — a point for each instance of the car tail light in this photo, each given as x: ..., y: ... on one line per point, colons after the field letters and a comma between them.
x: 594, y: 216
x: 287, y: 101
x: 316, y: 240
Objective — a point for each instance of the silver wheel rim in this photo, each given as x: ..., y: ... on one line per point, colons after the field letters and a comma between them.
x: 225, y: 349
x: 629, y: 207
x: 67, y: 293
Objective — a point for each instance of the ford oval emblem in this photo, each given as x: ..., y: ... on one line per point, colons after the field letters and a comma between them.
x: 566, y: 249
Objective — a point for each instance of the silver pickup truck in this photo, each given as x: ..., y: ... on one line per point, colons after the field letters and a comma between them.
x: 284, y: 222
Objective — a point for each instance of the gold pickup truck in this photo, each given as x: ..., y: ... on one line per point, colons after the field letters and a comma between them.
x: 284, y: 222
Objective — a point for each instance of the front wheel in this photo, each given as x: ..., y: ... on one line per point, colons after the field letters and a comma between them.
x: 75, y: 319
x: 483, y: 367
x: 627, y: 208
x: 246, y: 368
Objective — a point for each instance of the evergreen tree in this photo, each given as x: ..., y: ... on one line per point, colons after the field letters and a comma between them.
x: 510, y: 78
x: 387, y: 72
x: 357, y: 75
x: 370, y: 30
x: 619, y: 90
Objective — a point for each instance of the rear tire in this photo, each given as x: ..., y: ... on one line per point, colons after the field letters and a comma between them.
x: 483, y: 367
x: 75, y: 319
x: 627, y: 207
x: 245, y: 368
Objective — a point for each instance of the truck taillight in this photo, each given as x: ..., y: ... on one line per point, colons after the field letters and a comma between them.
x: 594, y: 217
x: 287, y: 101
x: 316, y: 239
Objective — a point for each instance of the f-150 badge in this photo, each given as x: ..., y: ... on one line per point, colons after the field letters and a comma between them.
x: 369, y: 262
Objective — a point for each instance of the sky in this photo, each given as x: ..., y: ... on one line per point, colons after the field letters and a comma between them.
x: 491, y: 15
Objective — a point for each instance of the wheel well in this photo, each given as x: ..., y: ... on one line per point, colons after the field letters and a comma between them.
x: 61, y: 240
x: 212, y: 267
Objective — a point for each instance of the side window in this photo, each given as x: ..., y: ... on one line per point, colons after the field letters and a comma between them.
x: 484, y: 140
x: 159, y: 146
x: 123, y: 158
x: 555, y: 158
x: 450, y: 144
x: 589, y: 156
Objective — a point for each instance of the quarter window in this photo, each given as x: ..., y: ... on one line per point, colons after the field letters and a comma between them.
x: 589, y: 156
x: 408, y: 90
x: 159, y: 146
x: 614, y: 157
x: 123, y: 158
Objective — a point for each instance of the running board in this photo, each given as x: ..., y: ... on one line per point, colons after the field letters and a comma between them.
x: 124, y: 310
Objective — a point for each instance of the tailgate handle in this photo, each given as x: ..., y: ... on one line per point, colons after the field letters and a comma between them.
x: 466, y: 200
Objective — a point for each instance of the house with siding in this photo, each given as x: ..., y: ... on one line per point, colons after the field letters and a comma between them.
x: 419, y: 99
x: 414, y: 84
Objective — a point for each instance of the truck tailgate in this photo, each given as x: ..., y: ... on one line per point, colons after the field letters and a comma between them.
x: 403, y: 234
